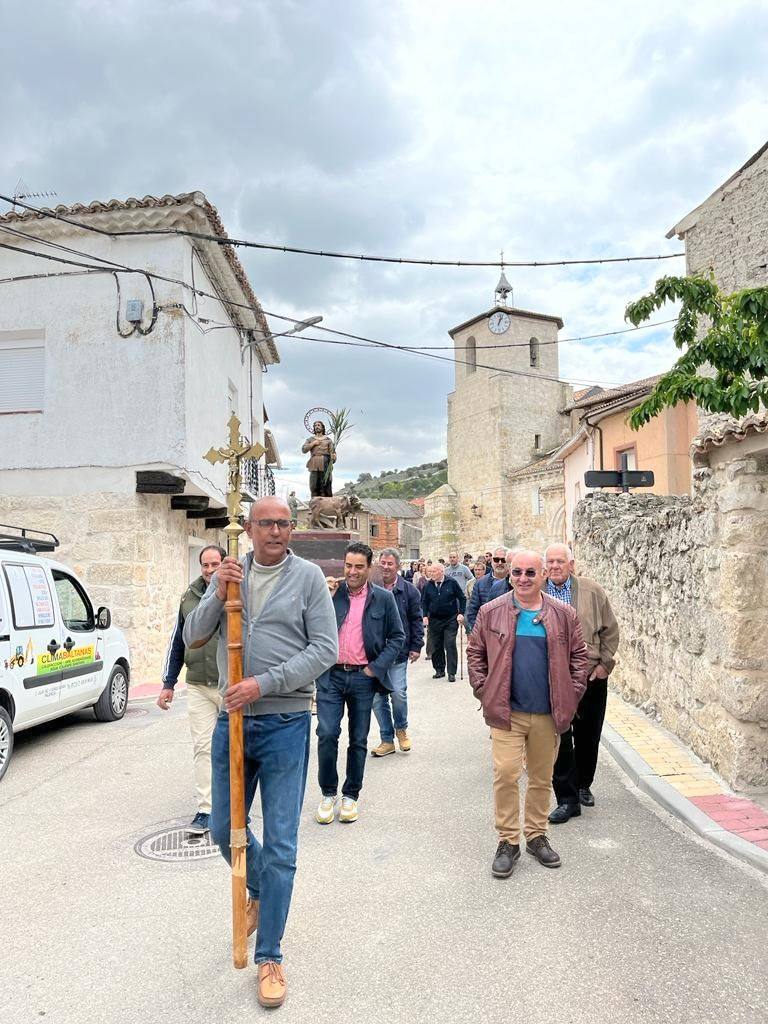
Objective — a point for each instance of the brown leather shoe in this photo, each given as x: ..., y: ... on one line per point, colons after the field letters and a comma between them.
x: 252, y: 915
x: 272, y: 984
x: 539, y: 848
x: 402, y: 739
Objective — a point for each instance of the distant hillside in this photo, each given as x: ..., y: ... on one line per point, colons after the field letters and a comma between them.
x: 414, y: 482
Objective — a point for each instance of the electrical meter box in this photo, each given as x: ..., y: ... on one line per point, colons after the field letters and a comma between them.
x: 134, y: 311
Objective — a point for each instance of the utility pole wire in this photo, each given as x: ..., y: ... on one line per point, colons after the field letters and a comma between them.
x: 275, y: 247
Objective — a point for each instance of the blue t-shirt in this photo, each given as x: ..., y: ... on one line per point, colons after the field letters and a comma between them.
x: 530, y: 665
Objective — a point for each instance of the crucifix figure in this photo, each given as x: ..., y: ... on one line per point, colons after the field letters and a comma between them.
x: 239, y: 449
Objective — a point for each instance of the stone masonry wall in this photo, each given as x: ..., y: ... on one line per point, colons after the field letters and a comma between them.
x: 525, y: 525
x: 686, y: 579
x: 131, y: 551
x: 730, y: 234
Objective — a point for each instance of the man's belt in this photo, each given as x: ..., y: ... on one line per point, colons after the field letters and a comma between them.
x: 349, y: 668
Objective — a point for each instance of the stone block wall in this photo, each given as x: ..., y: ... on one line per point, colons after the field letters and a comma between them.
x: 533, y: 523
x: 686, y: 578
x: 132, y: 553
x: 730, y: 232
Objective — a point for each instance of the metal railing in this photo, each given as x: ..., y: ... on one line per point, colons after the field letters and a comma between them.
x: 258, y: 479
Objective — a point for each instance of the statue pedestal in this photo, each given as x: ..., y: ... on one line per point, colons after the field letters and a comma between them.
x: 325, y: 548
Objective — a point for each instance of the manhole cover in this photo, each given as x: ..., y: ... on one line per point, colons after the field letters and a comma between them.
x: 135, y: 712
x: 173, y: 844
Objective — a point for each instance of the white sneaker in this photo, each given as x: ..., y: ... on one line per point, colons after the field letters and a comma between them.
x: 348, y: 809
x: 326, y: 810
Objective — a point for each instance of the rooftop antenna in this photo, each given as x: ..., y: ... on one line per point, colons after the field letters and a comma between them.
x: 22, y: 192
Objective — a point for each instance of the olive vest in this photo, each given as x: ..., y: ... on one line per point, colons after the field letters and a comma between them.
x: 200, y: 662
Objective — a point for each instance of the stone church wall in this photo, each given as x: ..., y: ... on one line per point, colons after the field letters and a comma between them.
x: 132, y: 553
x: 687, y: 581
x: 535, y: 508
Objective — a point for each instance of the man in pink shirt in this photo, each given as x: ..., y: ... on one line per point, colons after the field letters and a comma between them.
x: 370, y: 637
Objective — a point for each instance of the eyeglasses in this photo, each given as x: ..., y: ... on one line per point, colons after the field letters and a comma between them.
x: 499, y: 561
x: 267, y: 524
x: 530, y: 573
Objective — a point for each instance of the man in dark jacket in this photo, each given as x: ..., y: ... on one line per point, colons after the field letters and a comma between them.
x: 481, y: 592
x: 394, y: 720
x: 527, y: 666
x: 371, y: 637
x: 203, y: 700
x: 443, y: 603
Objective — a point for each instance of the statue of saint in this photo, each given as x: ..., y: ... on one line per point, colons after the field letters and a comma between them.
x: 322, y: 456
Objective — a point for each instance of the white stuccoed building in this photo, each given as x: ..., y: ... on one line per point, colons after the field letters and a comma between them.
x: 105, y: 418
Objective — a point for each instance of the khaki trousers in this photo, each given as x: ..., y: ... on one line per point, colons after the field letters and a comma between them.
x: 534, y: 736
x: 203, y: 704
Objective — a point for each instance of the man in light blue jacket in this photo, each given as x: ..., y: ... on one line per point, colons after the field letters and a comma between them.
x: 289, y: 639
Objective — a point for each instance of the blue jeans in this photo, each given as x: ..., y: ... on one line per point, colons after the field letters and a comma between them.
x: 397, y: 679
x: 276, y: 757
x: 335, y: 691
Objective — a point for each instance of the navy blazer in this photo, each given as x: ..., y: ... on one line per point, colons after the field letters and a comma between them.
x: 481, y: 594
x: 408, y: 601
x: 383, y: 632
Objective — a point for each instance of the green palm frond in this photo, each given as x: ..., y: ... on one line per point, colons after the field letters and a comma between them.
x: 338, y: 428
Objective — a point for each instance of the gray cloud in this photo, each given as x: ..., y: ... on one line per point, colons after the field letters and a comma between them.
x: 402, y: 129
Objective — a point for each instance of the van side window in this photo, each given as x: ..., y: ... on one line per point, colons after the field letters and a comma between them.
x: 30, y: 596
x: 76, y: 609
x: 5, y: 622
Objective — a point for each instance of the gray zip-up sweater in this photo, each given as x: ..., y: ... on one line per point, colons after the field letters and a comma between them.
x: 292, y: 642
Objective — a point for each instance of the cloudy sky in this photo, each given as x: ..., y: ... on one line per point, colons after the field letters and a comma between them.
x: 443, y: 130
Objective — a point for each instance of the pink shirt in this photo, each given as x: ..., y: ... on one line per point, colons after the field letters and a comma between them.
x: 351, y: 646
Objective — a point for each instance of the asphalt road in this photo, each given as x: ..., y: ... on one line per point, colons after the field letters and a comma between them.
x: 395, y: 917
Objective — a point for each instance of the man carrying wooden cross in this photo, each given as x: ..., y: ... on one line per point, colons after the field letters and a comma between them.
x: 289, y: 638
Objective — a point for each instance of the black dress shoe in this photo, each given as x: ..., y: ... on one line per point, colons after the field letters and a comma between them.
x: 586, y: 798
x: 563, y: 812
x: 451, y: 679
x: 439, y: 675
x: 507, y: 855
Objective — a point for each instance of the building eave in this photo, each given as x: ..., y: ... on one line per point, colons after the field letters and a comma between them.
x: 690, y: 219
x: 522, y: 314
x: 188, y: 211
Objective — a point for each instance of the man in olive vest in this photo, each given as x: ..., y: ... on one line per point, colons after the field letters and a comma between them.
x: 203, y: 700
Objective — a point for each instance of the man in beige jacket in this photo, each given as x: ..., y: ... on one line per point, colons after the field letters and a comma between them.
x: 576, y: 762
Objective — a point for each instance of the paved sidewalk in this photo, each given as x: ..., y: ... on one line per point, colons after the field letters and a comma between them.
x: 667, y: 770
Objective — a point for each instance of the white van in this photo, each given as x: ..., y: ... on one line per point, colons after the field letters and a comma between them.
x: 57, y: 654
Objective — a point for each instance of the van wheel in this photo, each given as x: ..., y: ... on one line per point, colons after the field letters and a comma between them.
x: 6, y: 741
x: 112, y: 703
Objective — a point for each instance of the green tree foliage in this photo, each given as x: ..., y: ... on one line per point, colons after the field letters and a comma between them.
x: 734, y: 347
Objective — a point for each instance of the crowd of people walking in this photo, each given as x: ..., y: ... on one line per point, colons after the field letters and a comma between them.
x: 540, y: 647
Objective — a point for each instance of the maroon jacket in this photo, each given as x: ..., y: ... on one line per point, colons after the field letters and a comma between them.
x: 489, y: 659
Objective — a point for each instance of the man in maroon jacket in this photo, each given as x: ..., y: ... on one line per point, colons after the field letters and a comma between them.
x: 527, y: 666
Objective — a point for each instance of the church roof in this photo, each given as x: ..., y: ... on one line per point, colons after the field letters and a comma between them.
x: 524, y: 314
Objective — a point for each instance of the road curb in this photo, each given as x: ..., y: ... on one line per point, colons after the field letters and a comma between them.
x: 644, y: 777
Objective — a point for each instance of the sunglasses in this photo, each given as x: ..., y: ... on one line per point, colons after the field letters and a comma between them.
x: 499, y: 561
x: 267, y: 524
x: 530, y: 573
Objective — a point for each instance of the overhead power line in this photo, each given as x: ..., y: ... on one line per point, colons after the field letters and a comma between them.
x: 360, y: 257
x: 114, y: 267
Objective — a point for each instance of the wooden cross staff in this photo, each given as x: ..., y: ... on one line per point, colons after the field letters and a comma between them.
x: 239, y: 449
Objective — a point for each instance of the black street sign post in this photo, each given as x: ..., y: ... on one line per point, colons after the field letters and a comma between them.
x: 623, y: 478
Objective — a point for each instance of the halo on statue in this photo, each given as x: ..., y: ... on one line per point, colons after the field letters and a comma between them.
x: 318, y: 413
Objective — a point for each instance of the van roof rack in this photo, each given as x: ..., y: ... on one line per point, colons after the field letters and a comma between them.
x: 32, y: 542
